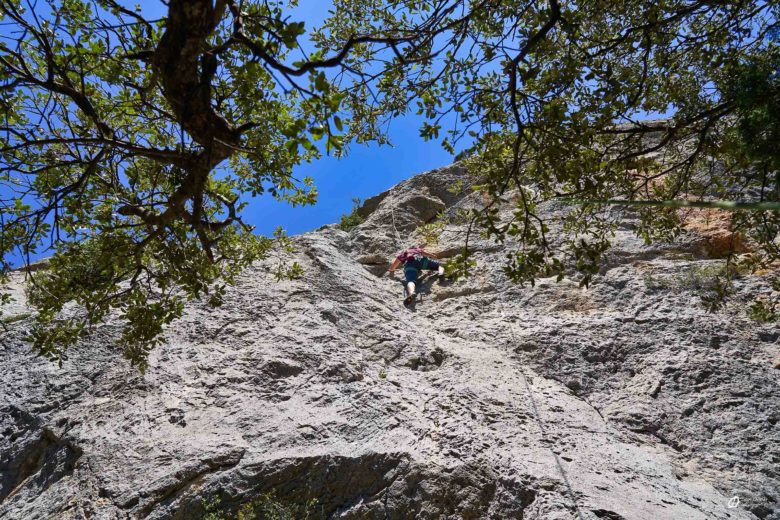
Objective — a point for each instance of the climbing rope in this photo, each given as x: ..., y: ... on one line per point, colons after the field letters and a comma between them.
x: 397, y: 243
x: 392, y: 212
x: 537, y: 415
x: 524, y: 377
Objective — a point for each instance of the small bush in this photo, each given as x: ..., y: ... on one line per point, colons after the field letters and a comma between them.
x: 282, y: 248
x: 265, y: 507
x: 693, y: 278
x: 351, y: 221
x: 712, y: 283
x: 765, y: 311
x: 456, y: 188
x: 715, y: 295
x: 430, y: 233
x: 698, y: 277
x: 654, y: 283
x: 17, y: 317
x: 460, y: 266
x: 461, y: 217
x: 766, y: 307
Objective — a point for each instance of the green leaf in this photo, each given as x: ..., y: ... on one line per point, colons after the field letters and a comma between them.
x: 321, y: 82
x: 317, y: 132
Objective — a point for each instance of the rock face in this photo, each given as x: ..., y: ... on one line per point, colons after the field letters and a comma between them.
x: 624, y: 401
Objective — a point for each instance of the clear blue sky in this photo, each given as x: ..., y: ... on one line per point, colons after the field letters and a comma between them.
x: 366, y: 171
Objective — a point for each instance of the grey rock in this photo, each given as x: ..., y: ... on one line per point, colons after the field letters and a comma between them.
x: 485, y: 400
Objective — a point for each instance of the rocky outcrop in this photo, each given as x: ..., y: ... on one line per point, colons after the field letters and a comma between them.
x: 627, y: 400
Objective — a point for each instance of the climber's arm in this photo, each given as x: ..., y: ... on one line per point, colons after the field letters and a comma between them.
x: 431, y: 255
x: 394, y: 265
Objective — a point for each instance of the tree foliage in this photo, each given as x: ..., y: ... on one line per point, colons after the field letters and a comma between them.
x: 130, y: 144
x: 353, y: 219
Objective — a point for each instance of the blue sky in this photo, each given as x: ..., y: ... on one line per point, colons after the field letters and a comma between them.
x: 365, y: 171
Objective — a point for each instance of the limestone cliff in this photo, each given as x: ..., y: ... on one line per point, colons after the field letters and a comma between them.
x: 627, y: 400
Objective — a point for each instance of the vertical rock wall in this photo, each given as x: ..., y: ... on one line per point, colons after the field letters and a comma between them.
x: 484, y: 400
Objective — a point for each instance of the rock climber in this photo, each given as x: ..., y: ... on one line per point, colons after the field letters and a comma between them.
x: 414, y: 260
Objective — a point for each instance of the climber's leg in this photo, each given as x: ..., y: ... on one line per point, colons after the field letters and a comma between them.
x: 433, y: 265
x: 411, y: 278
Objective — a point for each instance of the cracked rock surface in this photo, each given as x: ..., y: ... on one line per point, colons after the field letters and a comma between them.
x: 627, y: 400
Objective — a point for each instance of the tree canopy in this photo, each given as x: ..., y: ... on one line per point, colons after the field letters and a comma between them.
x: 130, y: 144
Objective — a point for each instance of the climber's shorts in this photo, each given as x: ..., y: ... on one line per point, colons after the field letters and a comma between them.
x: 412, y: 268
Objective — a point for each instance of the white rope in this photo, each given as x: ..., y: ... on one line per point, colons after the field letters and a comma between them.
x: 537, y: 415
x: 396, y: 244
x: 392, y: 212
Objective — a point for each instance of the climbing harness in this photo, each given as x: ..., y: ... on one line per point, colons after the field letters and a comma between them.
x: 537, y: 415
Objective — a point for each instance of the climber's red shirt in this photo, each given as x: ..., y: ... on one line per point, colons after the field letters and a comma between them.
x: 410, y: 254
